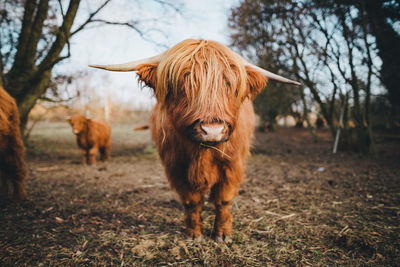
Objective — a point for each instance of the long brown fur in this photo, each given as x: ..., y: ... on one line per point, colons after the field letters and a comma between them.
x: 203, y: 80
x: 12, y: 165
x: 91, y: 136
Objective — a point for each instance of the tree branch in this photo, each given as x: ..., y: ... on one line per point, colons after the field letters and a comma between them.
x: 1, y: 64
x: 24, y: 36
x: 51, y: 100
x: 369, y: 64
x: 61, y: 8
x: 89, y: 19
x: 127, y: 24
x: 131, y: 25
x: 47, y: 40
x: 162, y: 2
x: 61, y: 39
x: 41, y: 14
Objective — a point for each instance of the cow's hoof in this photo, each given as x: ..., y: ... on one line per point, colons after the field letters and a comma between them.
x: 194, y: 239
x: 223, y: 239
x: 228, y: 239
x: 219, y: 239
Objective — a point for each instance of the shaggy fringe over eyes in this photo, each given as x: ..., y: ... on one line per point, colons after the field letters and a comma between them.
x: 203, y: 71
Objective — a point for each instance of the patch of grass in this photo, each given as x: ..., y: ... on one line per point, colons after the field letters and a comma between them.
x: 122, y: 212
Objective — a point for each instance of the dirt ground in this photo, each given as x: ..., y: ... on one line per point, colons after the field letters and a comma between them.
x: 299, y: 205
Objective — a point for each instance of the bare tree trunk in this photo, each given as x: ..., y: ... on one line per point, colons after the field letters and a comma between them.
x: 363, y: 127
x: 388, y: 43
x: 26, y: 82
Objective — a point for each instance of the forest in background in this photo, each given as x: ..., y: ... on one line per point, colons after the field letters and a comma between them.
x: 345, y: 53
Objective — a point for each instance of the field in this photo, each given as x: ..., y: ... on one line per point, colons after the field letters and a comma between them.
x: 299, y: 205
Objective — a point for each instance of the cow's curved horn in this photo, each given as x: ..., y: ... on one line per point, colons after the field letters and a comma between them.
x: 271, y: 75
x: 129, y: 66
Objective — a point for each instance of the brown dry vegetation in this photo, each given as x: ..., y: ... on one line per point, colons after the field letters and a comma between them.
x: 300, y: 205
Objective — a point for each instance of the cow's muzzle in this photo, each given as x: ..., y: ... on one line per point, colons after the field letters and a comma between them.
x: 210, y: 132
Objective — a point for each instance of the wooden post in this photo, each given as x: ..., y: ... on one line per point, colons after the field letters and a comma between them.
x: 107, y: 108
x: 338, y: 127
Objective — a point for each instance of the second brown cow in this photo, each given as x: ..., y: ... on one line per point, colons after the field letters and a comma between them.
x: 92, y: 136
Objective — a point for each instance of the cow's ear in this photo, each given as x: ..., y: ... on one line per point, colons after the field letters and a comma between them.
x: 68, y: 120
x: 148, y: 74
x: 256, y: 81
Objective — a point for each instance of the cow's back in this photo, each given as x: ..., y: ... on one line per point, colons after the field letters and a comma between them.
x: 99, y: 132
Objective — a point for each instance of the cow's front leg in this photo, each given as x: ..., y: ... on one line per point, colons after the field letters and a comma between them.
x: 92, y: 155
x: 85, y: 154
x: 222, y: 196
x: 193, y: 204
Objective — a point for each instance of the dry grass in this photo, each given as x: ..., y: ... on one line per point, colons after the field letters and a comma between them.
x: 299, y: 205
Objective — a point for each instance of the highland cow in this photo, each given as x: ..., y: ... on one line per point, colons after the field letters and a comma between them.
x: 12, y: 165
x: 92, y: 136
x: 202, y: 123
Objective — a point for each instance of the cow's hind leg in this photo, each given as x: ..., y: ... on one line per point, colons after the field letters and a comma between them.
x: 3, y: 186
x: 222, y: 196
x: 102, y: 155
x: 19, y: 188
x: 15, y: 171
x: 105, y: 152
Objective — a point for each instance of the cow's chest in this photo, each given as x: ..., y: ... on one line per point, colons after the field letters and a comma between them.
x: 83, y: 141
x: 205, y: 171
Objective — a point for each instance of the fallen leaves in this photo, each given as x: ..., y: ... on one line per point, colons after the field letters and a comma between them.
x: 59, y: 220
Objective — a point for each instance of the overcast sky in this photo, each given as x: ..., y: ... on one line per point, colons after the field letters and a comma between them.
x: 206, y: 19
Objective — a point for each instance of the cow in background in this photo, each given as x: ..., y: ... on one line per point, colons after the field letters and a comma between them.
x: 12, y: 165
x: 202, y: 123
x: 92, y: 136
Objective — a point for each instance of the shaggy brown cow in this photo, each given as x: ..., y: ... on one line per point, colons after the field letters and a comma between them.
x: 12, y: 166
x: 202, y: 123
x: 91, y: 136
